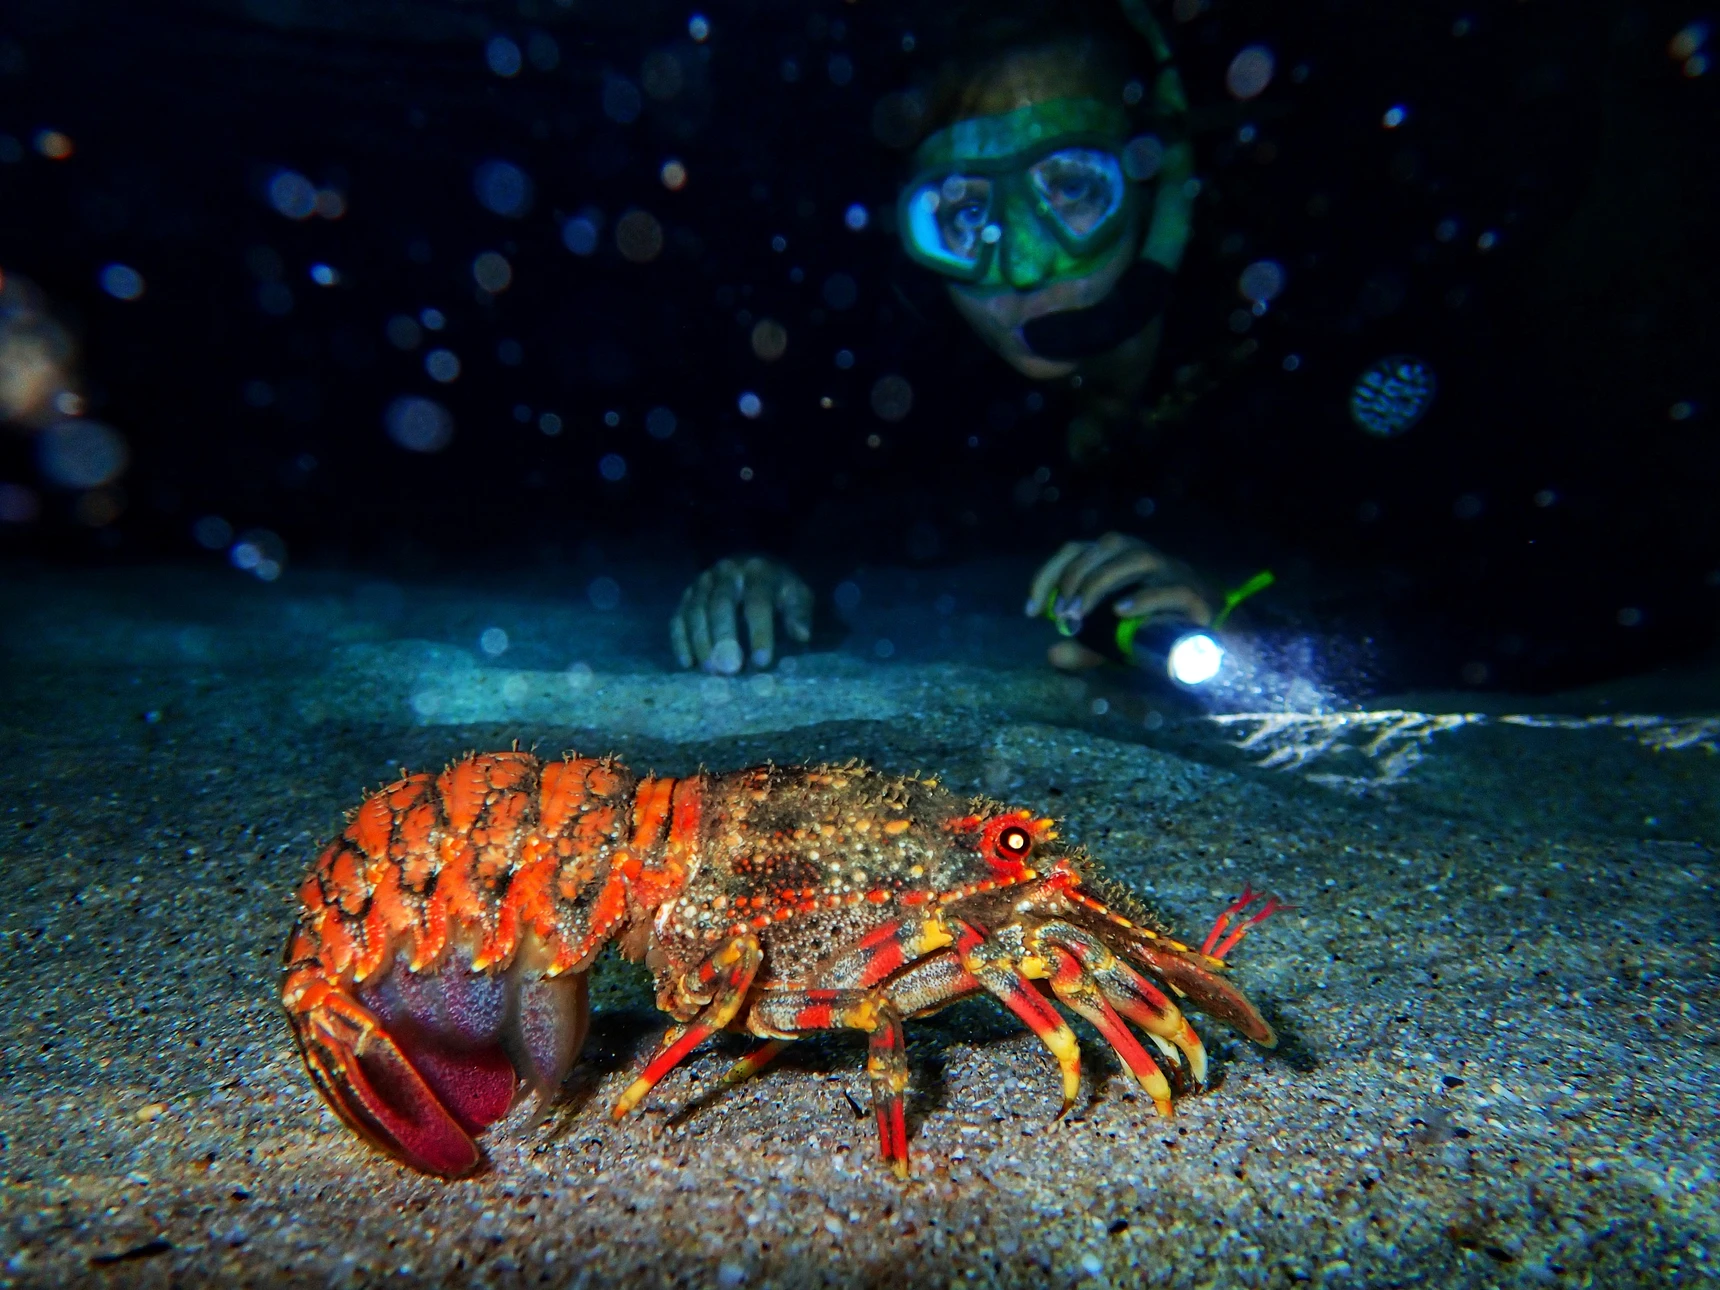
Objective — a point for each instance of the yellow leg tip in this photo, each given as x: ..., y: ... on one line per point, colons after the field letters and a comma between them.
x: 634, y: 1095
x: 1163, y: 1106
x: 900, y: 1168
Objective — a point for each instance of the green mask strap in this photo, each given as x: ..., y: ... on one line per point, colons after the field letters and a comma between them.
x: 981, y: 141
x: 1128, y: 627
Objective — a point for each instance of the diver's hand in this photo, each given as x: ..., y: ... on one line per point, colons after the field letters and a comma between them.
x: 703, y: 629
x: 1078, y: 579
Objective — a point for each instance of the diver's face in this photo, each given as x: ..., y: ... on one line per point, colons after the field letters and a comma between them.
x: 1027, y: 212
x: 998, y: 313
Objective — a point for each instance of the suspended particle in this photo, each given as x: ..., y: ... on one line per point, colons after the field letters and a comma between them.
x: 750, y: 405
x: 54, y: 145
x: 492, y: 272
x: 122, y: 282
x: 503, y: 188
x: 1250, y: 72
x: 639, y: 237
x: 579, y: 234
x: 769, y: 339
x: 81, y: 454
x: 673, y: 175
x: 1143, y: 156
x: 1392, y: 395
x: 856, y: 217
x: 292, y: 195
x: 698, y: 28
x: 892, y: 397
x: 503, y: 57
x: 613, y: 467
x: 1261, y: 282
x: 660, y: 423
x: 419, y: 424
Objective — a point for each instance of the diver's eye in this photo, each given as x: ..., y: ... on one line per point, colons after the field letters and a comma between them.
x: 1015, y: 842
x: 1081, y: 188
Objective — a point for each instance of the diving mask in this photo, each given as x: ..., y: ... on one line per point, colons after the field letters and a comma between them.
x: 1042, y: 187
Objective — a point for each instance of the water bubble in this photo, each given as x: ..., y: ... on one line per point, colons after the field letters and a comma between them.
x: 1391, y: 395
x: 542, y: 51
x: 503, y: 188
x: 1250, y: 72
x: 612, y: 418
x: 622, y: 102
x: 883, y: 648
x: 260, y: 553
x: 1545, y: 498
x: 1143, y: 156
x: 847, y: 596
x: 54, y: 145
x: 1467, y: 507
x: 418, y: 424
x: 579, y: 234
x: 698, y: 28
x: 639, y: 237
x: 292, y: 195
x: 841, y: 291
x: 660, y: 423
x: 503, y: 56
x: 1682, y: 410
x: 212, y: 533
x: 493, y: 641
x: 258, y: 394
x: 443, y: 365
x: 604, y: 593
x: 432, y: 319
x: 403, y: 332
x: 844, y: 359
x: 1261, y: 281
x: 840, y: 69
x: 750, y: 405
x: 1687, y: 41
x: 18, y: 505
x: 613, y: 467
x: 550, y: 424
x: 1630, y: 616
x: 1394, y: 116
x: 122, y: 282
x: 325, y: 275
x: 331, y: 203
x: 769, y: 339
x: 492, y: 272
x: 892, y: 397
x: 509, y: 352
x: 1487, y: 241
x: 275, y: 299
x: 661, y: 75
x: 1445, y: 230
x: 579, y: 676
x: 673, y: 175
x: 81, y: 454
x: 855, y: 217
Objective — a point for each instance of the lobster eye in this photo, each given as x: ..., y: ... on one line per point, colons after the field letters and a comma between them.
x: 1014, y: 842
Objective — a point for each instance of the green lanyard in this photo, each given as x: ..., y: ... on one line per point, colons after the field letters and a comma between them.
x: 1127, y: 627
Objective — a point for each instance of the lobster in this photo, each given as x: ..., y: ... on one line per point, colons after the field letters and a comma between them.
x: 437, y: 969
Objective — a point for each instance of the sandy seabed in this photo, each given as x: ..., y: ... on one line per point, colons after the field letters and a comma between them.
x: 1496, y: 995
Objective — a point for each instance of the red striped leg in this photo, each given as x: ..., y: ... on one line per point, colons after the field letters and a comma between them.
x: 788, y: 1012
x: 730, y: 972
x: 1000, y: 975
x: 1131, y: 994
x: 754, y: 1062
x: 885, y: 950
x: 1075, y: 988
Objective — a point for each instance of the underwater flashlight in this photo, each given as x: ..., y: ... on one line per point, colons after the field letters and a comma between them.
x: 1190, y: 655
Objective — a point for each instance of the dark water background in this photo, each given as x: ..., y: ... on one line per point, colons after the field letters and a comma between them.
x: 1575, y: 355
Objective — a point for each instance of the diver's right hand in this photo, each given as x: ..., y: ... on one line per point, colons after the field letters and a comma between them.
x: 1082, y: 575
x: 703, y: 629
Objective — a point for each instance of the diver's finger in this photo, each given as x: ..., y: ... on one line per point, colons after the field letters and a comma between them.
x: 1039, y: 593
x: 678, y: 631
x: 1095, y: 555
x: 726, y: 657
x: 1125, y: 568
x: 1152, y: 602
x: 757, y: 605
x: 698, y: 621
x: 794, y: 599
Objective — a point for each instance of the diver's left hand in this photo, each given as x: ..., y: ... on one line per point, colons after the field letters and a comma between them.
x: 704, y: 630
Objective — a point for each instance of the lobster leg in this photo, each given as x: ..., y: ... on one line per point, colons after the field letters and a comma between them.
x: 1005, y: 975
x: 794, y: 1012
x: 1132, y: 994
x: 1075, y: 988
x: 721, y: 982
x: 754, y: 1062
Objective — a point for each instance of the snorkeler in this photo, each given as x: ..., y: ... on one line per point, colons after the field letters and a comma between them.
x: 1051, y: 193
